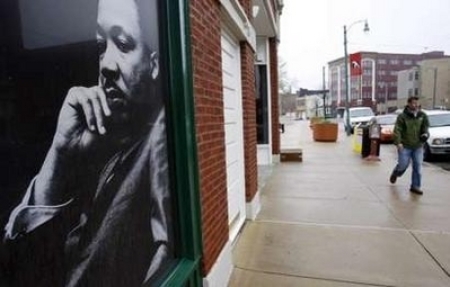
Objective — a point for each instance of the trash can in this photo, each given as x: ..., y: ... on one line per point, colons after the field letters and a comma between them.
x: 370, y: 140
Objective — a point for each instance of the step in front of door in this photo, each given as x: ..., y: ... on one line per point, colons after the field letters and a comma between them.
x: 289, y: 155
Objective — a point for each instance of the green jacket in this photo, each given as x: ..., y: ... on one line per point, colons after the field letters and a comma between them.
x: 409, y: 128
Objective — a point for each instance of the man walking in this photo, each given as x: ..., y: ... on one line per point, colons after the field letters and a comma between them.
x: 410, y: 132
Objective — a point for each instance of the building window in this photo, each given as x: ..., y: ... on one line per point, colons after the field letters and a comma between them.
x: 367, y: 83
x: 407, y: 62
x: 410, y: 78
x: 410, y: 92
x: 394, y: 62
x: 367, y: 64
x: 382, y: 61
x: 262, y: 119
x: 416, y: 92
x: 416, y: 75
x: 381, y: 72
x: 393, y: 73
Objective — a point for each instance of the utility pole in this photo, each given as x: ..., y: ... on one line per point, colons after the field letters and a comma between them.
x: 434, y: 87
x: 347, y: 88
x: 324, y: 93
x: 386, y: 98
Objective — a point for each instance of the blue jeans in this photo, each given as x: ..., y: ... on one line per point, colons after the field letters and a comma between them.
x: 404, y: 157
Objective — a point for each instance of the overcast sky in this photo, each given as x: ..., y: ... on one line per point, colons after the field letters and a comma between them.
x: 312, y: 32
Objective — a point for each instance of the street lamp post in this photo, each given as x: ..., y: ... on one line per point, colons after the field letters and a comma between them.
x: 324, y: 93
x: 434, y: 87
x: 386, y: 98
x: 385, y: 102
x: 347, y: 89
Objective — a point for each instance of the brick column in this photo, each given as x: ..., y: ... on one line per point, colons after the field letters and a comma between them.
x: 207, y: 68
x: 273, y: 50
x: 249, y: 121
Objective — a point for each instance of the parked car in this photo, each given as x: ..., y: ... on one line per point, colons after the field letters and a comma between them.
x: 439, y: 141
x: 358, y: 115
x: 387, y: 123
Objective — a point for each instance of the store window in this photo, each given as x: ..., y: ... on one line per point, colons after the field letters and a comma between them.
x: 262, y: 107
x: 87, y: 151
x: 394, y: 61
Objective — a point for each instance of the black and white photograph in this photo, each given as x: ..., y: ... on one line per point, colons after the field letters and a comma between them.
x: 86, y: 198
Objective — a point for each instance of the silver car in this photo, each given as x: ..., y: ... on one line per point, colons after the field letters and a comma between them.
x: 439, y: 141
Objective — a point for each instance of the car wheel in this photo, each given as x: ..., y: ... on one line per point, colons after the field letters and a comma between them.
x: 427, y: 155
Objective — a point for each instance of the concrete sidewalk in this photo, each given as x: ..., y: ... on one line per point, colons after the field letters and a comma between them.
x: 335, y: 220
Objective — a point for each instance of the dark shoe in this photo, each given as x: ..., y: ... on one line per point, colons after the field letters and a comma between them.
x: 416, y: 190
x: 393, y: 178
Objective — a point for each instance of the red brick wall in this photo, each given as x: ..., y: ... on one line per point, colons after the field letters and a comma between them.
x: 249, y: 110
x: 207, y: 68
x: 273, y: 50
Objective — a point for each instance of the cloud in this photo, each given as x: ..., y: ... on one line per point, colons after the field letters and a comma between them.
x: 312, y: 31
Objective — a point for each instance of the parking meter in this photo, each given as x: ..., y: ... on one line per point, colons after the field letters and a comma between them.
x: 374, y: 130
x: 374, y: 136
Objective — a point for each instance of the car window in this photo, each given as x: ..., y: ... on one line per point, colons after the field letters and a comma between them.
x: 439, y: 120
x: 361, y: 113
x: 387, y: 120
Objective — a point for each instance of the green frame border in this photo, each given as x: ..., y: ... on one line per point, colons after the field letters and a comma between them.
x: 181, y: 115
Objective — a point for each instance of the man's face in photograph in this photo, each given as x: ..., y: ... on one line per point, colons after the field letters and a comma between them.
x: 125, y: 63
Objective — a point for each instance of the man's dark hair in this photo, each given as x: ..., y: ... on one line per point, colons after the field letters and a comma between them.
x: 413, y: 98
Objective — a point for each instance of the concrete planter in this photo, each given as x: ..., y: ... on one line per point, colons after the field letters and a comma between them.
x: 325, y: 132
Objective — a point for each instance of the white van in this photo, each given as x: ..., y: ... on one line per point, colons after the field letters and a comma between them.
x: 358, y: 115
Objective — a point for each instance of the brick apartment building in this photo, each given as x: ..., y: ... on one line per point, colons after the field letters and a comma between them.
x: 430, y: 80
x: 218, y: 63
x: 377, y: 86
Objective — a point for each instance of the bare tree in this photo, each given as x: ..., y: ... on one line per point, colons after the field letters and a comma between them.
x: 287, y: 96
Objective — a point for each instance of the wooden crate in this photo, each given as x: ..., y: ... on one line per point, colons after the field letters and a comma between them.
x: 291, y: 155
